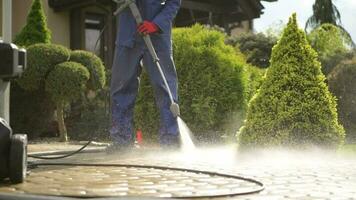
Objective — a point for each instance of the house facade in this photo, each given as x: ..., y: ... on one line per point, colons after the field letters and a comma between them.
x: 90, y: 25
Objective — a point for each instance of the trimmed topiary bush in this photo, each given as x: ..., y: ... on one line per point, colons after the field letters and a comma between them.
x: 293, y: 106
x: 65, y: 83
x: 89, y: 114
x: 41, y: 59
x: 342, y: 82
x: 212, y: 83
x: 36, y: 116
x: 36, y: 30
x: 94, y: 65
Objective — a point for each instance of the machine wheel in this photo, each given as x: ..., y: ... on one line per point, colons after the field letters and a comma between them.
x: 18, y: 158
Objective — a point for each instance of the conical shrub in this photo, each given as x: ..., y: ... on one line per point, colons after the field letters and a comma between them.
x: 293, y: 106
x: 36, y: 30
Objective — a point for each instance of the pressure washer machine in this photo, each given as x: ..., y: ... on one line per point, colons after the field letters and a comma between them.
x: 13, y: 147
x: 13, y: 154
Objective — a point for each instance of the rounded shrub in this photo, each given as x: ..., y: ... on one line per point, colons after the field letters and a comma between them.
x: 342, y: 82
x: 65, y: 83
x: 94, y: 65
x: 41, y: 59
x: 293, y: 107
x: 212, y: 83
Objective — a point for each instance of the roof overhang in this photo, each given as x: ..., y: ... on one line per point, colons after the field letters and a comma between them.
x: 231, y: 9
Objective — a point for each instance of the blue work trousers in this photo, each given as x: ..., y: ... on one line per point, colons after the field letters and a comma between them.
x: 124, y: 88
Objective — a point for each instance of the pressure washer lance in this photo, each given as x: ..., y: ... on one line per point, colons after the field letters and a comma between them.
x: 123, y: 4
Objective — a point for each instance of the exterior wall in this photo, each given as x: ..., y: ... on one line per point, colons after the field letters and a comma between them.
x: 0, y: 18
x: 246, y: 26
x: 58, y: 23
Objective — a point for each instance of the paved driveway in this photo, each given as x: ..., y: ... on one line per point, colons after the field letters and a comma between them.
x: 307, y: 175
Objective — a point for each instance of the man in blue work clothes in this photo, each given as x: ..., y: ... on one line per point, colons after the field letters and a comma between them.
x: 130, y: 51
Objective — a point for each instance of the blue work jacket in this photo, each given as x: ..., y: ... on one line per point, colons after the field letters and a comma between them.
x: 160, y: 12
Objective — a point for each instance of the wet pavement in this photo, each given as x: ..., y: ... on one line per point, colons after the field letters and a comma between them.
x: 286, y: 175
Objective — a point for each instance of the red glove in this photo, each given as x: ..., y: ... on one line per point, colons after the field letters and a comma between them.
x: 147, y: 28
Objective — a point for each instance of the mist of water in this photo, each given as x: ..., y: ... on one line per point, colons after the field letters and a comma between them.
x: 185, y: 135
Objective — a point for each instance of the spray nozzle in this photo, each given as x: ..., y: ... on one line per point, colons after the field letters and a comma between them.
x: 175, y: 109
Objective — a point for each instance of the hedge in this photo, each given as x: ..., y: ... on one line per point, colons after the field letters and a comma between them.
x: 212, y: 84
x: 342, y: 82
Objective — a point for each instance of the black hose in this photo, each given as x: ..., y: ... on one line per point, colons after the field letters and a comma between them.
x: 250, y: 180
x: 60, y: 157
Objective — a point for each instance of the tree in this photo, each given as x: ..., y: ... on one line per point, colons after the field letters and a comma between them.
x: 332, y: 46
x: 293, y: 106
x: 35, y: 30
x: 256, y: 47
x: 324, y: 11
x: 65, y: 83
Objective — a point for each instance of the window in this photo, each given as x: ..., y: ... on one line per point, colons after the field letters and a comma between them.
x: 94, y: 24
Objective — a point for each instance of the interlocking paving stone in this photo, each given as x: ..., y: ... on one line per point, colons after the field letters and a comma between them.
x: 285, y: 175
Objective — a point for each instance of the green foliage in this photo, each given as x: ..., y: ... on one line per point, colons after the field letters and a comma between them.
x: 328, y: 40
x: 31, y: 112
x: 255, y: 79
x: 325, y: 12
x: 93, y: 121
x: 332, y: 45
x: 95, y: 66
x: 342, y: 82
x: 212, y: 83
x: 293, y: 106
x: 66, y: 81
x: 36, y: 30
x: 41, y: 59
x: 35, y: 116
x: 256, y: 47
